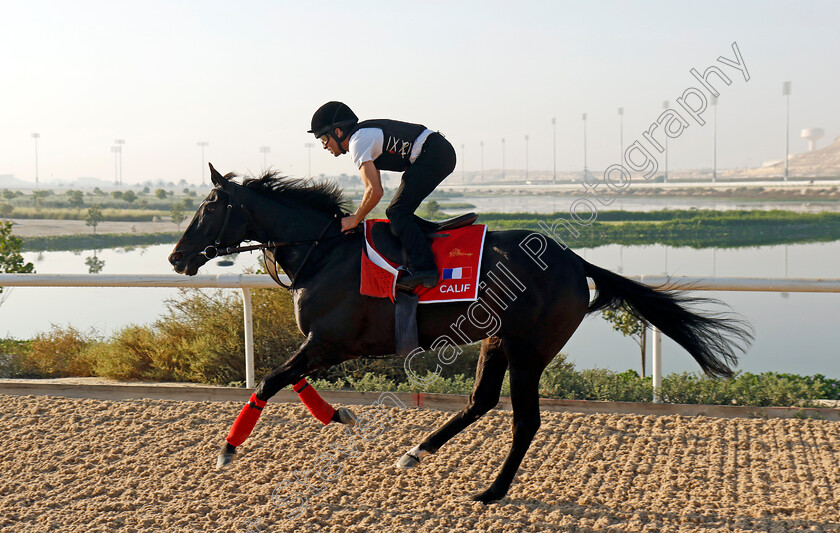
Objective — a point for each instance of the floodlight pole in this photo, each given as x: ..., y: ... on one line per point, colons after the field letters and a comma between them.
x: 265, y: 150
x: 120, y: 143
x: 116, y: 151
x: 786, y: 94
x: 309, y: 147
x: 481, y: 144
x: 585, y: 169
x: 554, y: 171
x: 463, y: 175
x: 526, y: 158
x: 202, y: 145
x: 36, y: 136
x: 666, y: 105
x: 714, y: 140
x: 621, y: 135
x: 503, y: 159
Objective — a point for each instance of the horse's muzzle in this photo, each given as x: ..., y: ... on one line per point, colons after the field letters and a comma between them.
x: 187, y: 264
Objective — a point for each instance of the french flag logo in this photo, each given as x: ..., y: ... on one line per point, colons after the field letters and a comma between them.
x: 457, y: 273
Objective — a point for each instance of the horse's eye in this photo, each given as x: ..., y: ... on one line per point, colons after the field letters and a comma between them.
x: 209, y: 208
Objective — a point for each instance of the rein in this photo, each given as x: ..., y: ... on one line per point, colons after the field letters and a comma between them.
x: 212, y: 251
x: 315, y: 243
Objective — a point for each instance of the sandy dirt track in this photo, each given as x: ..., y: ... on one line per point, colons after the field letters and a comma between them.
x: 146, y: 465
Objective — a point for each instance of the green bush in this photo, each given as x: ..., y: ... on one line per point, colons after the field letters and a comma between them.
x: 372, y: 382
x: 108, y: 213
x: 127, y: 356
x: 829, y: 388
x: 622, y: 387
x: 201, y: 339
x: 393, y: 367
x: 457, y: 384
x: 560, y: 380
x: 761, y: 390
x: 59, y: 353
x: 13, y: 353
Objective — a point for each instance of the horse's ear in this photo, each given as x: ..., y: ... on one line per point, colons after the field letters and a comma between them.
x: 217, y: 179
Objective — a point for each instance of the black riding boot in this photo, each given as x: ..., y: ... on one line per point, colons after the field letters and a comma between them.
x: 421, y: 263
x: 436, y: 161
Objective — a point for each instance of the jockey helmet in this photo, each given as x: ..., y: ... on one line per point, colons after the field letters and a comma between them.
x: 330, y: 116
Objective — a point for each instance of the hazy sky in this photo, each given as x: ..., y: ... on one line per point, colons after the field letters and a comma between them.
x: 165, y: 75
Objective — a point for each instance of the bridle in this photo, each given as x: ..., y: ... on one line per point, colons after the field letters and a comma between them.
x: 212, y: 251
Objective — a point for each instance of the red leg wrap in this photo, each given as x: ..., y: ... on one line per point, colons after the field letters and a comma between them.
x: 246, y: 421
x: 319, y: 408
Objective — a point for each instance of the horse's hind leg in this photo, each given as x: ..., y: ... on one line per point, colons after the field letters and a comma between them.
x: 490, y: 373
x: 525, y: 371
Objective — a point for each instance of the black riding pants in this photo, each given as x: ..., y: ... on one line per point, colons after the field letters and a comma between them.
x: 435, y: 162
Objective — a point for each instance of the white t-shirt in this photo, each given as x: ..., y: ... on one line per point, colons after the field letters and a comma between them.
x: 366, y: 145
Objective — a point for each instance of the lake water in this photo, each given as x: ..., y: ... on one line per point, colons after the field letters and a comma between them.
x: 797, y: 332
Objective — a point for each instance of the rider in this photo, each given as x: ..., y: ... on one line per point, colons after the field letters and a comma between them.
x: 425, y: 157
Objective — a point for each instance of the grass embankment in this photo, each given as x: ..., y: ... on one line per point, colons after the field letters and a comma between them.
x: 456, y: 205
x: 99, y: 241
x: 108, y: 213
x: 694, y: 228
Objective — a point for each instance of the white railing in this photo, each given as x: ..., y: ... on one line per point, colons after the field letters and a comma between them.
x: 246, y: 282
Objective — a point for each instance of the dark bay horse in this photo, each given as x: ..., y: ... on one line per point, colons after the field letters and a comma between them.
x: 533, y: 296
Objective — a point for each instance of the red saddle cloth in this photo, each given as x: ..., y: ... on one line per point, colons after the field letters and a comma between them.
x: 458, y: 258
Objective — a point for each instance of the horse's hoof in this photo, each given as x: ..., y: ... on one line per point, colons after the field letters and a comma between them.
x: 226, y: 456
x: 346, y: 416
x: 487, y: 496
x: 407, y: 461
x: 223, y: 460
x: 411, y: 458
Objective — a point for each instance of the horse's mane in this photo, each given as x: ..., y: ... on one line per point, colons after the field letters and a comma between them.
x: 323, y: 196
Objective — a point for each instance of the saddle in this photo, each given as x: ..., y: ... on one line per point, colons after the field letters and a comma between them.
x: 390, y: 247
x: 378, y: 279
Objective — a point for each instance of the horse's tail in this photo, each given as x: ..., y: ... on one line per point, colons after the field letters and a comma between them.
x: 714, y: 340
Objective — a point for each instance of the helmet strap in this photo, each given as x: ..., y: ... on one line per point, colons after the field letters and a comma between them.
x: 340, y: 140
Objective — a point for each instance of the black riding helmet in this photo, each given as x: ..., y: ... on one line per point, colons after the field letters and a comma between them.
x: 330, y: 116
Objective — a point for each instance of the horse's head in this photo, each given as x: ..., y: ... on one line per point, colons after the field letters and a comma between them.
x: 270, y: 208
x: 219, y: 222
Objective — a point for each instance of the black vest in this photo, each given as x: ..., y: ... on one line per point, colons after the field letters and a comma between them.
x: 397, y: 143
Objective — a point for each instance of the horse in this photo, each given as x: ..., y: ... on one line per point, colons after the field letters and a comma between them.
x: 533, y: 296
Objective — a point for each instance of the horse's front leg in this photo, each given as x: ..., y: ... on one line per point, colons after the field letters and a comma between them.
x: 290, y: 372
